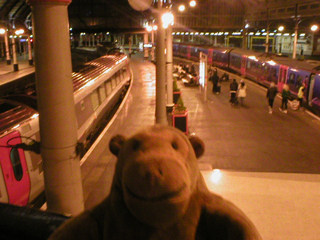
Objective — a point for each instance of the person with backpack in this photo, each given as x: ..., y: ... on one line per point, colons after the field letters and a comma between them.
x: 271, y: 95
x: 286, y: 94
x: 233, y: 91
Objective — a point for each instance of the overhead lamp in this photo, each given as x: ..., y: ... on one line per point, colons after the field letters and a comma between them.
x: 192, y: 3
x: 182, y: 8
x: 167, y: 19
x: 19, y: 32
x: 314, y: 27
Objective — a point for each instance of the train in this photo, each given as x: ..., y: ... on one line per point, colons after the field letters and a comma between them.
x: 262, y: 68
x: 98, y: 85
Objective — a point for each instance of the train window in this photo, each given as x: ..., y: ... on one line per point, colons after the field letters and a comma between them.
x: 95, y: 99
x: 124, y: 73
x: 236, y: 61
x: 82, y: 105
x: 266, y: 70
x: 290, y: 9
x: 299, y: 81
x: 303, y: 7
x: 118, y: 77
x: 316, y: 5
x: 114, y: 81
x: 248, y: 65
x: 291, y: 79
x: 16, y: 164
x: 102, y: 93
x: 108, y: 87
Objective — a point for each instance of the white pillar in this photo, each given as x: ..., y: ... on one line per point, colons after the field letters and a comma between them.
x: 295, y: 40
x: 169, y: 68
x: 30, y: 51
x: 58, y: 127
x: 14, y: 54
x: 6, y: 41
x: 145, y: 42
x: 161, y: 115
x: 152, y: 42
x: 130, y: 45
x: 267, y: 40
x: 80, y: 41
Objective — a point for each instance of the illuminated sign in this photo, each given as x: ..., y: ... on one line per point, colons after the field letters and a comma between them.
x: 203, y: 74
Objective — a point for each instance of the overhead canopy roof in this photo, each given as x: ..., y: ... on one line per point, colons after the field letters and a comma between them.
x: 118, y: 14
x: 17, y: 13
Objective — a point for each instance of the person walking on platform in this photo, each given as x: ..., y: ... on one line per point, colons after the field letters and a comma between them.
x: 271, y: 94
x: 233, y: 91
x: 242, y: 92
x: 300, y: 95
x: 286, y: 94
x: 215, y: 81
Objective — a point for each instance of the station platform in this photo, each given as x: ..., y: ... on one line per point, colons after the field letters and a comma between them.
x: 7, y: 73
x: 267, y: 164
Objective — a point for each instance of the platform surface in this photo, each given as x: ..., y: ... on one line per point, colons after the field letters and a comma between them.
x: 267, y: 164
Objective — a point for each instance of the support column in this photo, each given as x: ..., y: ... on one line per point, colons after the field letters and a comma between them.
x: 267, y: 40
x: 30, y: 51
x: 161, y: 115
x: 130, y: 45
x: 58, y: 127
x: 145, y: 42
x: 295, y: 40
x: 6, y: 41
x: 169, y: 68
x: 152, y: 42
x: 80, y: 41
x: 296, y: 26
x: 14, y: 54
x: 89, y: 40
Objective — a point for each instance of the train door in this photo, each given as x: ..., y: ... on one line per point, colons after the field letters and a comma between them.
x: 188, y: 52
x: 14, y: 169
x: 282, y: 78
x: 243, y: 65
x: 210, y: 56
x: 310, y: 87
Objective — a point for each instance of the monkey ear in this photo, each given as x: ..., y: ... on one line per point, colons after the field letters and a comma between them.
x: 116, y: 143
x: 197, y: 144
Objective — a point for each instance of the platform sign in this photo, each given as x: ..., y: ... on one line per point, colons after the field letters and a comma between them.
x: 203, y: 72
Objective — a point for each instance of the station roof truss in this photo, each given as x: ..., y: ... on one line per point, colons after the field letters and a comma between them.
x: 110, y: 15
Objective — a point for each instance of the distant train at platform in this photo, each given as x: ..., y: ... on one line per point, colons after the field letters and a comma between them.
x: 262, y: 68
x: 99, y: 86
